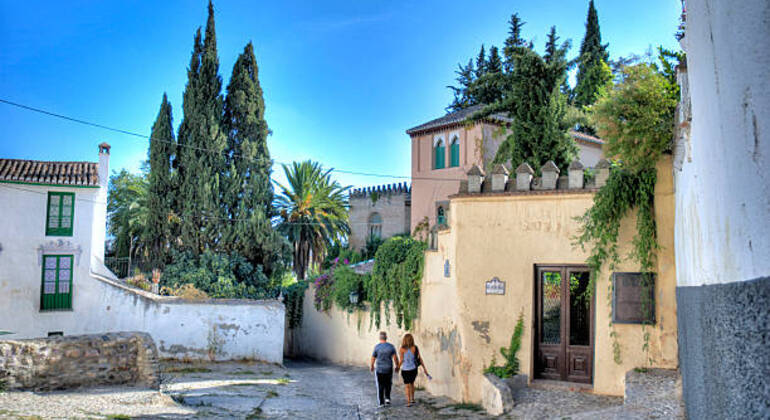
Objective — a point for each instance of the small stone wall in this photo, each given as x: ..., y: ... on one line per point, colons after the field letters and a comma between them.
x: 46, y: 364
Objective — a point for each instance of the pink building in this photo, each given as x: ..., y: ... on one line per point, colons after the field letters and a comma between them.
x: 445, y: 149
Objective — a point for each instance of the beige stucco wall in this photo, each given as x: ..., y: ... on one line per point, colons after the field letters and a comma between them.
x: 461, y: 328
x: 394, y: 208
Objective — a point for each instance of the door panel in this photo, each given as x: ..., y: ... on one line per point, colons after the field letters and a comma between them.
x: 564, y: 325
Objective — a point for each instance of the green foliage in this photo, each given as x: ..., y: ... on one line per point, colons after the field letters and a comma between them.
x: 247, y: 192
x: 373, y: 243
x: 345, y: 282
x: 200, y: 172
x: 636, y: 117
x: 219, y: 275
x: 293, y: 299
x: 158, y: 228
x: 511, y: 366
x: 396, y: 280
x: 539, y: 131
x: 593, y: 72
x: 313, y: 210
x: 338, y: 253
x: 600, y: 225
x: 127, y: 213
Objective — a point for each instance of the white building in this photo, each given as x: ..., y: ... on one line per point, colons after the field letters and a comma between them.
x: 722, y: 233
x: 52, y: 234
x: 53, y: 279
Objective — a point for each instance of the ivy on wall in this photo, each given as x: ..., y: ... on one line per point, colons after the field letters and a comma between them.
x: 293, y: 299
x: 395, y: 281
x: 636, y: 119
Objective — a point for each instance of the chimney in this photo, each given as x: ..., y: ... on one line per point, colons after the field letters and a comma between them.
x: 104, y: 164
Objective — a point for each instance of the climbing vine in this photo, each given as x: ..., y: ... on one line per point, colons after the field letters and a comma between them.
x: 395, y: 281
x: 636, y: 119
x: 293, y: 299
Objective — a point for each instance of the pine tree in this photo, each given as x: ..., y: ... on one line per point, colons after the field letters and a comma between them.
x: 494, y: 64
x: 513, y: 41
x: 202, y: 144
x: 593, y: 71
x: 157, y: 230
x: 465, y: 77
x: 248, y: 193
x: 538, y: 132
x: 481, y: 63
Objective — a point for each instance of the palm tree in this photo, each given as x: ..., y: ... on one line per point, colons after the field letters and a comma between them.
x: 127, y: 213
x: 313, y: 211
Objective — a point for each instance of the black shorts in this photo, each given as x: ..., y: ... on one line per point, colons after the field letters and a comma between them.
x: 409, y: 376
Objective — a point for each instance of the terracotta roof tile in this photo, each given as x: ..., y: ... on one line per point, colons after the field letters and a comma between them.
x: 456, y: 118
x: 57, y: 173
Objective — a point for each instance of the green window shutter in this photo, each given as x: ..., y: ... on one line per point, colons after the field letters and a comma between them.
x: 56, y: 288
x: 440, y: 216
x: 440, y: 157
x: 60, y: 214
x: 454, y: 151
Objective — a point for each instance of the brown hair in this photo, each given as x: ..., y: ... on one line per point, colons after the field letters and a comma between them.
x: 407, y: 342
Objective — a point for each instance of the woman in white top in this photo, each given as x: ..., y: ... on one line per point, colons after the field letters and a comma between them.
x: 410, y: 361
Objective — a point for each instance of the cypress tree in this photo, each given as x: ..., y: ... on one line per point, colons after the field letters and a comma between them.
x: 248, y: 195
x: 157, y: 230
x: 203, y: 143
x: 593, y: 72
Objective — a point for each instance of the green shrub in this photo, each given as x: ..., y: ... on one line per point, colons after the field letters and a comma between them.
x: 511, y: 366
x: 220, y: 276
x: 395, y: 280
x: 346, y: 281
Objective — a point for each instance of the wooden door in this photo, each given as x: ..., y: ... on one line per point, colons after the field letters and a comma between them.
x: 564, y: 324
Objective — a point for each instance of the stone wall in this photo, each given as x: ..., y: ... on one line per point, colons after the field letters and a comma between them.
x: 46, y: 364
x: 391, y: 202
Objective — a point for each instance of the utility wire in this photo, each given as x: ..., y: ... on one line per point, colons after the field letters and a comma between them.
x: 201, y: 215
x: 235, y: 155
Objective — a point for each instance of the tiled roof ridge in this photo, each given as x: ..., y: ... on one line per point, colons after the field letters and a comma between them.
x: 457, y: 117
x: 80, y: 173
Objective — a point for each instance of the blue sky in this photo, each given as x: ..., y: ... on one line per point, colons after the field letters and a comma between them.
x: 343, y: 80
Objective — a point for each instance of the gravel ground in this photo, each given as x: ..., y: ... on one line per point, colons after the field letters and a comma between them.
x: 309, y: 390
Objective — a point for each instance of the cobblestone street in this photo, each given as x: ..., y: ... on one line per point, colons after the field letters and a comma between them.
x: 302, y: 390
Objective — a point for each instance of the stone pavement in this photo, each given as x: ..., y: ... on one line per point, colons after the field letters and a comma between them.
x: 301, y: 390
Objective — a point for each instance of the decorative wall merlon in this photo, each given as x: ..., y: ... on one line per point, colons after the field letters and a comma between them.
x: 475, y: 178
x: 499, y: 178
x: 575, y: 173
x: 602, y: 172
x: 550, y: 175
x: 498, y: 181
x: 400, y: 188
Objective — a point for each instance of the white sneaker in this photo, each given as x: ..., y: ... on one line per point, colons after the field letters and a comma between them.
x: 387, y: 401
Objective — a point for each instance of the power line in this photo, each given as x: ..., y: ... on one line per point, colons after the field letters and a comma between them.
x: 203, y: 149
x: 201, y: 215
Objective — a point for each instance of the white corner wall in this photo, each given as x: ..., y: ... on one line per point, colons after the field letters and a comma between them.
x: 723, y: 190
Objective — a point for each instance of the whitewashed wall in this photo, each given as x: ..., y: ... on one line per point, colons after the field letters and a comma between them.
x: 722, y: 233
x: 218, y: 329
x: 723, y: 188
